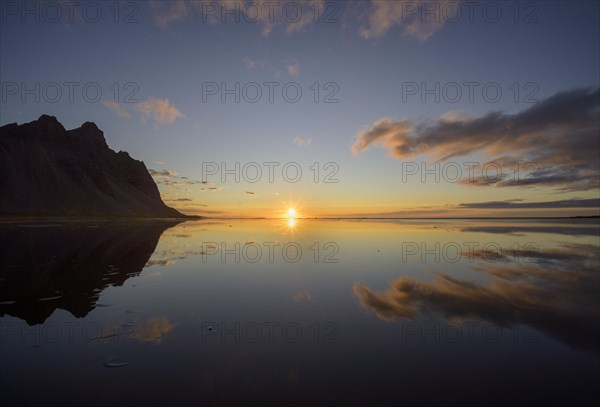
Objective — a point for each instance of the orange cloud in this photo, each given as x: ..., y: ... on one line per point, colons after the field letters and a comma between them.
x: 160, y: 110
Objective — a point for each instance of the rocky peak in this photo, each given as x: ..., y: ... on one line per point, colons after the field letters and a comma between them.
x: 47, y: 170
x: 89, y: 134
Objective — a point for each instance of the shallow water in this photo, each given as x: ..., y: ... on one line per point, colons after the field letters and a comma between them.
x: 258, y: 312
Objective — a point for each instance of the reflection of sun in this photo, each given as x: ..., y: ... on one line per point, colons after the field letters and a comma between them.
x: 291, y: 222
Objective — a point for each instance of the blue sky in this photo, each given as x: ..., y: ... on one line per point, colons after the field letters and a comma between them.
x: 367, y: 56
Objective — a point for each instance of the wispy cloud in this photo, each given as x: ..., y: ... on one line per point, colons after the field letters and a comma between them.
x: 169, y: 12
x: 159, y: 110
x: 271, y: 14
x: 180, y: 200
x: 302, y: 142
x: 252, y: 64
x: 116, y: 109
x: 249, y: 63
x: 163, y: 173
x: 516, y: 204
x: 383, y: 15
x: 559, y: 135
x: 293, y: 67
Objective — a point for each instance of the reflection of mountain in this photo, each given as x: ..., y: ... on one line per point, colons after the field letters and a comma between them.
x: 44, y: 267
x: 49, y: 171
x: 554, y: 291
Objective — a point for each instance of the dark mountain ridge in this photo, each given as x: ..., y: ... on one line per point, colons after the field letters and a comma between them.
x: 46, y: 170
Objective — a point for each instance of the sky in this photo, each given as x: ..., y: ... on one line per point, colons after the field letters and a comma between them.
x: 337, y: 109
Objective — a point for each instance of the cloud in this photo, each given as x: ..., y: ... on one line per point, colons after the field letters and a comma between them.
x: 116, y: 109
x: 311, y: 11
x: 383, y: 15
x: 298, y: 14
x: 250, y: 64
x: 181, y: 182
x: 293, y: 67
x: 555, y: 291
x: 558, y: 134
x: 302, y: 142
x: 169, y: 12
x: 180, y: 200
x: 163, y: 173
x: 208, y: 212
x: 160, y: 110
x: 565, y: 203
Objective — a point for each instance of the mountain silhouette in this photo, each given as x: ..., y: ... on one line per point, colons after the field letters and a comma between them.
x: 46, y: 170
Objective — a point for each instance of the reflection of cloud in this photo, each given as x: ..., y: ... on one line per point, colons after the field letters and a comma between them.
x: 556, y: 293
x: 558, y: 134
x: 160, y: 262
x: 160, y: 110
x: 383, y: 15
x: 302, y: 296
x: 154, y: 330
x: 116, y: 108
x: 514, y: 230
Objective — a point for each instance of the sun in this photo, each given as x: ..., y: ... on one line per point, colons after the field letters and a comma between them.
x: 291, y: 213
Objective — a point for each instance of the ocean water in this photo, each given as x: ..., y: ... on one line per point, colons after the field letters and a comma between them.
x: 304, y: 312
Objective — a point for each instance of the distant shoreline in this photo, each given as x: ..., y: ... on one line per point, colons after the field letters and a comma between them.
x: 6, y: 219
